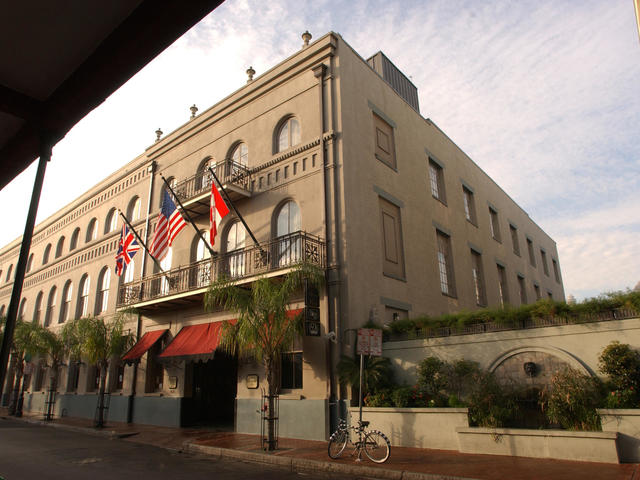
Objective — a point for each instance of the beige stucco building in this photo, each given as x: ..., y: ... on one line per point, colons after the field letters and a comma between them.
x: 329, y: 160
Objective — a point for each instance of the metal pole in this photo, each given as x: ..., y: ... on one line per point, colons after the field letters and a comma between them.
x: 360, y: 394
x: 235, y: 210
x: 211, y: 251
x: 144, y: 246
x: 21, y: 267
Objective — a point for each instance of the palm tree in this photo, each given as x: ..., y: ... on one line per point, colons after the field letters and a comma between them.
x: 263, y: 330
x: 27, y: 340
x: 376, y: 373
x: 55, y: 347
x: 99, y: 341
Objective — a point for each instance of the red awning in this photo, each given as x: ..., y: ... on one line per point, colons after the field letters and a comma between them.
x: 194, y: 340
x: 144, y: 344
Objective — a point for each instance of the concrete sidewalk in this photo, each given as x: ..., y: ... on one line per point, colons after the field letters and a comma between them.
x: 305, y: 455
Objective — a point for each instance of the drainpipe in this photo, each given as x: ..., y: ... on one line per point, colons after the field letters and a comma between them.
x: 333, y: 292
x: 21, y: 267
x: 130, y: 404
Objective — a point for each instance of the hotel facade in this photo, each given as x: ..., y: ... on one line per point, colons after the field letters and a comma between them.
x: 329, y: 161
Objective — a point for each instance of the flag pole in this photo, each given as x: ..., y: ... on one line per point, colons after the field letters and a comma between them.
x: 224, y: 192
x: 211, y: 251
x: 155, y: 260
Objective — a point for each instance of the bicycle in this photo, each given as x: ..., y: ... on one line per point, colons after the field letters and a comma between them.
x: 375, y: 444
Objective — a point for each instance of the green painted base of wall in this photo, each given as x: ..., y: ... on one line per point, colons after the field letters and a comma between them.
x: 163, y: 411
x: 306, y: 419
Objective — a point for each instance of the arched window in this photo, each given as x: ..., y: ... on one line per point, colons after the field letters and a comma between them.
x: 240, y: 154
x: 201, y: 275
x: 234, y: 244
x: 59, y: 247
x: 51, y: 306
x: 82, y: 308
x: 203, y: 177
x: 46, y: 254
x: 102, y: 297
x: 166, y: 266
x: 22, y: 309
x: 73, y: 244
x: 129, y: 271
x: 10, y: 271
x: 29, y: 263
x: 287, y: 223
x: 65, y: 306
x: 288, y: 134
x: 37, y: 310
x: 111, y: 222
x: 134, y: 208
x: 92, y: 230
x: 171, y: 181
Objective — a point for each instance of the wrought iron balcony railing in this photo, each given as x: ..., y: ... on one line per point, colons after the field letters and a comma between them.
x: 281, y: 253
x: 227, y: 171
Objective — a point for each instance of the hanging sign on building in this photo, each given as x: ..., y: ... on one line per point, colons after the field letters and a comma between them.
x: 369, y: 342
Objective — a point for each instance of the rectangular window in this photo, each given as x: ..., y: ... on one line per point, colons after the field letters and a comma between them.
x: 495, y: 224
x: 478, y: 278
x: 445, y: 264
x: 556, y: 272
x: 155, y: 370
x: 532, y: 257
x: 536, y: 288
x: 384, y: 143
x: 550, y: 294
x: 523, y: 291
x: 503, y: 290
x: 514, y: 239
x: 545, y: 266
x: 469, y: 205
x: 73, y: 376
x: 436, y: 176
x: 392, y: 251
x: 291, y: 377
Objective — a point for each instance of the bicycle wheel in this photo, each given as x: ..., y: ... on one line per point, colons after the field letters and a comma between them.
x: 377, y: 446
x: 337, y: 443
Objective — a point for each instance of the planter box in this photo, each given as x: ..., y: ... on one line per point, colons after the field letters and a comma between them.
x: 417, y: 427
x: 558, y: 444
x: 627, y: 423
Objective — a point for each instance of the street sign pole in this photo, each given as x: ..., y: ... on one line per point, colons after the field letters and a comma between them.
x: 360, y: 395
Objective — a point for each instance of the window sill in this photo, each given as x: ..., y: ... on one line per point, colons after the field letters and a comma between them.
x: 449, y: 295
x: 395, y: 277
x: 497, y: 240
x: 390, y: 165
x: 472, y: 223
x: 291, y: 396
x: 154, y: 394
x: 443, y: 202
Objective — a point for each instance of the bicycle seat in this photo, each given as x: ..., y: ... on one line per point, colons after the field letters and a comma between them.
x: 364, y: 423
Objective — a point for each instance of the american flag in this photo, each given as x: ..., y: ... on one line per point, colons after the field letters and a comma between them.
x: 127, y: 248
x: 170, y: 223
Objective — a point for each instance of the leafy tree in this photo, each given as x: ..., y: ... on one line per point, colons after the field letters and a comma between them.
x: 27, y: 339
x: 263, y: 330
x: 99, y: 342
x: 622, y: 365
x: 571, y: 400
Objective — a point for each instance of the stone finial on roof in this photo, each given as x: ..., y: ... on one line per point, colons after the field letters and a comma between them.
x: 158, y: 134
x: 306, y: 37
x: 250, y: 73
x: 194, y: 110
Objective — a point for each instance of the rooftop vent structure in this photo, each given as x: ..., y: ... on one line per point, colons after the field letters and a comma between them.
x: 394, y: 77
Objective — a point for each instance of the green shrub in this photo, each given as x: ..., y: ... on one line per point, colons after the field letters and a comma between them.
x: 381, y: 398
x: 402, y: 397
x: 622, y: 399
x: 432, y: 378
x: 622, y: 365
x: 492, y: 404
x: 571, y: 399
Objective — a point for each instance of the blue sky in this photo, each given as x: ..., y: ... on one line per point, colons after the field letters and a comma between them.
x: 543, y: 95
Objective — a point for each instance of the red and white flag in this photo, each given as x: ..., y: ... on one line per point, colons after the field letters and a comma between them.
x: 219, y: 205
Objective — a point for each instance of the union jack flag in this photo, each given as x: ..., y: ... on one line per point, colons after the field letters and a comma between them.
x: 127, y: 248
x: 170, y: 223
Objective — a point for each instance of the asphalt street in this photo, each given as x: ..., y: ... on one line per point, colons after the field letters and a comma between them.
x: 29, y: 451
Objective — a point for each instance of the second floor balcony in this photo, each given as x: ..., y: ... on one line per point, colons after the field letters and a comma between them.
x: 194, y: 191
x: 186, y: 285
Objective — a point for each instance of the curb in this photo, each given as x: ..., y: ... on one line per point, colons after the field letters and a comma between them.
x: 306, y: 465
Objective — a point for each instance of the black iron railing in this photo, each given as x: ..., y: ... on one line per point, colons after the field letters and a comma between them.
x: 281, y: 253
x: 227, y: 171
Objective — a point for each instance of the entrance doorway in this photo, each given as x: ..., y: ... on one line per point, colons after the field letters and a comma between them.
x: 213, y: 386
